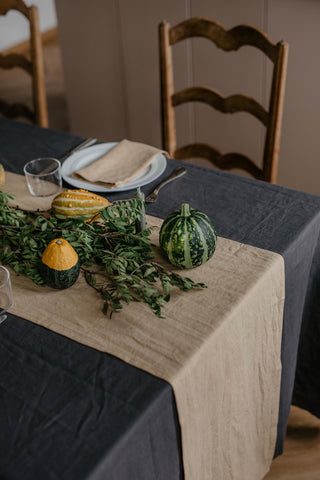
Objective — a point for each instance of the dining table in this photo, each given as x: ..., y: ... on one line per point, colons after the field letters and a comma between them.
x: 70, y: 410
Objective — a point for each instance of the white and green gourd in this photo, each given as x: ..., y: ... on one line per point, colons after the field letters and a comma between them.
x: 188, y: 237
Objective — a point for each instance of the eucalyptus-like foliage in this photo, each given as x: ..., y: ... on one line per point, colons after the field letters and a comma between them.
x: 116, y: 261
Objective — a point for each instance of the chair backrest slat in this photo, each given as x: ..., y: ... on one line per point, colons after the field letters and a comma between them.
x: 224, y: 162
x: 13, y: 60
x: 227, y: 40
x: 232, y: 104
x: 14, y: 110
x: 18, y: 5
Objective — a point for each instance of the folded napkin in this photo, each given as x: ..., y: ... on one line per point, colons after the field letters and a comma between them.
x: 121, y: 164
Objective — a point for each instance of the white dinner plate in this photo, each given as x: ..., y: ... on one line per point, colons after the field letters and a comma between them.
x: 84, y: 157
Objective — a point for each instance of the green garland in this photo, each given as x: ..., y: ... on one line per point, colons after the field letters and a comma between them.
x: 115, y: 260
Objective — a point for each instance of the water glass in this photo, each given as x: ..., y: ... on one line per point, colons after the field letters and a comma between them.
x: 43, y: 176
x: 5, y: 292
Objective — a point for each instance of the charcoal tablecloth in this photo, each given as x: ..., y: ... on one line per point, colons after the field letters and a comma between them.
x: 219, y: 347
x: 52, y: 383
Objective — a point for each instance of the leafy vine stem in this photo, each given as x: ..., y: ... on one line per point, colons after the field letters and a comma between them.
x: 127, y: 270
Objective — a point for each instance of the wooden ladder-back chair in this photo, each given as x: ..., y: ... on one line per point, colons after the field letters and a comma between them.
x: 227, y: 40
x: 32, y: 64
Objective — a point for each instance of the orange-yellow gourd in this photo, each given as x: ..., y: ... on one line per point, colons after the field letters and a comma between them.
x: 60, y: 264
x: 2, y: 176
x: 78, y: 203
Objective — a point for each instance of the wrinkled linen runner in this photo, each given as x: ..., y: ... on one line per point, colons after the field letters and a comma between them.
x: 122, y: 163
x: 218, y: 347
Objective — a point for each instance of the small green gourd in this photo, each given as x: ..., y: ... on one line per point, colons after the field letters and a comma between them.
x: 187, y: 237
x: 60, y: 265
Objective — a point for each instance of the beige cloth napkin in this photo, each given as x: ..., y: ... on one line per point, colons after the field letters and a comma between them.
x: 120, y: 165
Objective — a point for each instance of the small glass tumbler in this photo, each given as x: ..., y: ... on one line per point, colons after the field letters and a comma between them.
x: 5, y: 292
x: 43, y: 176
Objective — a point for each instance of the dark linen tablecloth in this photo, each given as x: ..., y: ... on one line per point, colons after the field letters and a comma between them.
x: 71, y: 412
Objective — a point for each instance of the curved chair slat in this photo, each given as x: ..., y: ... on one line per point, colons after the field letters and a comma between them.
x: 227, y: 40
x: 19, y: 5
x: 232, y: 104
x: 227, y: 161
x: 16, y: 110
x: 15, y: 60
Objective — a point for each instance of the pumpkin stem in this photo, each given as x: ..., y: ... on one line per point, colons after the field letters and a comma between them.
x: 185, y: 210
x: 58, y: 242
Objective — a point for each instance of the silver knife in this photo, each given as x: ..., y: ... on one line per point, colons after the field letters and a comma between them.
x: 178, y: 172
x: 84, y: 144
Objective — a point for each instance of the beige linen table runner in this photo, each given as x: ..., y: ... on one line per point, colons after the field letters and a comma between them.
x: 123, y: 163
x: 218, y: 347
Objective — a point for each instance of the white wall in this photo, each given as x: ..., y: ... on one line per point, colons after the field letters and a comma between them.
x: 14, y: 27
x: 111, y: 70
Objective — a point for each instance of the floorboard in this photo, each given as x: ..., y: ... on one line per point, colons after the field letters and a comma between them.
x: 301, y: 457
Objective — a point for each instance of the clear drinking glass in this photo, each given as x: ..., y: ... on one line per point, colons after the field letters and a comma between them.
x: 43, y: 176
x: 5, y: 292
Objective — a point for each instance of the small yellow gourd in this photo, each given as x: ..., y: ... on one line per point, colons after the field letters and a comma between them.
x: 2, y: 176
x: 60, y: 265
x: 78, y: 203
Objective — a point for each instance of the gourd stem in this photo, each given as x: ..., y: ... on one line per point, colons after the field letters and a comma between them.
x: 185, y: 210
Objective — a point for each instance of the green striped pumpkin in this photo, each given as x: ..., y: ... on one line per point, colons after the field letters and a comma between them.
x: 187, y: 237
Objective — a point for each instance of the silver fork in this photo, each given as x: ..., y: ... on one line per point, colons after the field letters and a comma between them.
x: 178, y: 172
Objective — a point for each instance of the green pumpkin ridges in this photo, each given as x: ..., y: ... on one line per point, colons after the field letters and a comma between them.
x: 187, y: 253
x: 169, y: 238
x: 166, y: 229
x: 203, y: 243
x: 175, y: 243
x: 198, y: 247
x: 208, y: 232
x: 167, y: 223
x: 206, y: 221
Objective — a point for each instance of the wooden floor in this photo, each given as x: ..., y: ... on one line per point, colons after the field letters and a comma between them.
x: 301, y: 457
